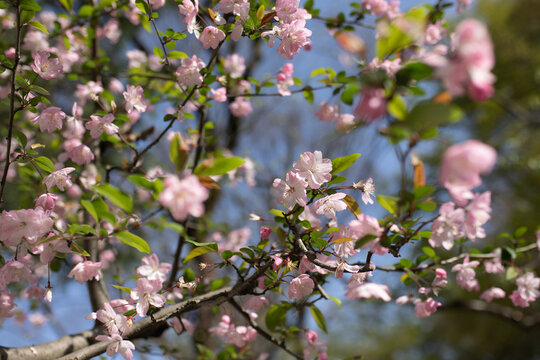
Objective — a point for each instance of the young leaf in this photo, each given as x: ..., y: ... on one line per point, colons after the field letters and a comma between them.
x: 220, y: 166
x: 343, y: 163
x: 352, y: 205
x: 115, y: 196
x: 134, y: 241
x: 318, y: 317
x: 389, y: 203
x: 198, y: 251
x: 44, y: 163
x: 91, y: 209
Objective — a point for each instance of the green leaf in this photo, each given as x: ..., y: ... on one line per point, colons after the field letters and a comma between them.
x: 20, y: 138
x: 44, y: 163
x: 317, y: 72
x: 158, y: 52
x: 67, y: 4
x: 276, y: 212
x: 81, y: 229
x: 177, y: 55
x: 276, y: 316
x: 117, y: 197
x: 91, y: 209
x: 134, y: 241
x: 397, y: 107
x: 86, y: 11
x: 318, y: 317
x: 343, y: 163
x: 39, y: 26
x: 389, y: 203
x: 211, y: 245
x: 123, y: 288
x: 406, y: 263
x: 27, y: 15
x: 220, y: 166
x: 520, y: 232
x: 31, y: 5
x: 428, y: 251
x: 308, y: 94
x: 347, y: 96
x: 336, y: 300
x: 197, y: 251
x: 226, y: 255
x: 141, y: 181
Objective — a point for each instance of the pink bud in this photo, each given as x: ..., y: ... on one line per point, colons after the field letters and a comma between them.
x: 265, y: 232
x: 46, y: 201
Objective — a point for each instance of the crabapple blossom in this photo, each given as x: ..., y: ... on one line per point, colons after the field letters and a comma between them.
x: 527, y: 291
x: 27, y: 224
x: 330, y: 205
x: 327, y: 112
x: 462, y: 166
x: 492, y: 293
x: 343, y: 266
x: 190, y: 9
x: 291, y: 191
x: 85, y: 271
x: 494, y: 266
x: 99, y: 124
x: 313, y: 168
x: 367, y: 290
x: 285, y: 79
x: 265, y: 232
x: 466, y: 277
x: 219, y: 95
x: 146, y: 294
x: 367, y: 225
x: 368, y: 189
x: 211, y: 37
x: 376, y: 7
x: 50, y: 119
x: 134, y: 97
x: 345, y: 248
x: 152, y: 269
x: 241, y: 107
x: 118, y: 345
x: 440, y: 278
x: 59, y: 178
x: 373, y: 104
x: 447, y: 227
x: 237, y: 7
x: 309, y: 215
x: 47, y: 68
x: 15, y: 271
x: 81, y: 154
x: 189, y: 72
x: 300, y: 286
x: 183, y: 197
x: 294, y: 37
x: 6, y: 305
x: 477, y: 214
x: 234, y: 65
x: 426, y: 308
x: 46, y: 201
x: 88, y: 91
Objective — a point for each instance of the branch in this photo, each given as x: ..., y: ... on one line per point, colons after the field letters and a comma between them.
x: 12, y: 101
x: 83, y: 346
x: 263, y: 332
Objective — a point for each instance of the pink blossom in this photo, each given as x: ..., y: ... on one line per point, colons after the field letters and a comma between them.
x: 527, y: 291
x: 236, y: 240
x: 434, y: 33
x: 235, y: 335
x: 313, y: 168
x: 46, y: 201
x: 300, y: 286
x: 15, y: 271
x: 494, y: 266
x: 463, y: 5
x: 265, y: 232
x: 6, y: 305
x: 477, y: 215
x: 346, y: 248
x: 373, y: 104
x: 368, y: 189
x: 367, y: 225
x: 294, y: 37
x: 368, y: 290
x: 466, y: 277
x: 118, y: 345
x: 327, y: 112
x: 291, y: 191
x: 111, y: 31
x: 234, y: 66
x: 88, y: 91
x: 116, y: 86
x: 330, y: 205
x: 390, y: 66
x: 219, y: 95
x: 342, y: 267
x: 59, y: 178
x: 189, y: 73
x: 256, y: 303
x: 426, y: 308
x: 50, y: 119
x: 183, y: 197
x: 440, y: 278
x: 309, y: 215
x: 152, y: 269
x: 135, y: 100
x: 146, y: 294
x: 190, y: 9
x: 136, y: 58
x: 345, y: 123
x: 237, y: 7
x: 492, y: 293
x: 48, y: 250
x: 100, y: 124
x: 45, y: 67
x: 85, y: 271
x: 27, y: 224
x: 211, y: 37
x: 447, y: 227
x: 285, y: 80
x: 241, y: 107
x: 376, y: 7
x: 81, y: 154
x: 461, y: 168
x: 238, y: 30
x: 181, y: 324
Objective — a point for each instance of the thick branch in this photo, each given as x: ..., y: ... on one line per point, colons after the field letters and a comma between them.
x: 82, y: 346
